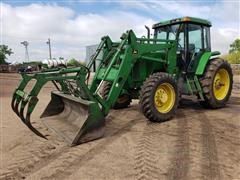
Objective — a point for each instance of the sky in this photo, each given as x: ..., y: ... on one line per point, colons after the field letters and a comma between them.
x: 72, y: 25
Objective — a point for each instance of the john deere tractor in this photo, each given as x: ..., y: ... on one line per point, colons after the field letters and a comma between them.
x: 177, y: 61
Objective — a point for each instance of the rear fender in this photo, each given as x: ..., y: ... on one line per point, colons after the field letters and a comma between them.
x: 206, y: 57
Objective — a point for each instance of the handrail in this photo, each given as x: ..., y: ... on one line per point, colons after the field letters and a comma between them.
x: 155, y: 40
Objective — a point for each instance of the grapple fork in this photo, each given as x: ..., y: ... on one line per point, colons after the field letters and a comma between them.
x: 73, y: 113
x: 19, y: 102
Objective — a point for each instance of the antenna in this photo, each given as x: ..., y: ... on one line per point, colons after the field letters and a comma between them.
x: 25, y: 44
x: 49, y: 47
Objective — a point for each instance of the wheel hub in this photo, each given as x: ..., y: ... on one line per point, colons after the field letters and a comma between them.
x: 221, y: 84
x: 164, y: 97
x: 161, y: 97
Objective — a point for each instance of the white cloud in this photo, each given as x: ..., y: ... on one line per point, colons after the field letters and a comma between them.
x: 70, y: 32
x: 168, y: 9
x: 182, y: 8
x: 222, y: 38
x: 222, y: 10
x: 225, y: 16
x: 227, y: 11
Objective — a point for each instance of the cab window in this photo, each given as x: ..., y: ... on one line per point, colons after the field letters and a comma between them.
x: 161, y: 33
x: 206, y: 34
x: 195, y: 38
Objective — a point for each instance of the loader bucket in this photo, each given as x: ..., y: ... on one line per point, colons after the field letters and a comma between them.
x: 74, y: 119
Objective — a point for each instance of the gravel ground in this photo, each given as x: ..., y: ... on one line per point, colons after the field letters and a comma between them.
x: 196, y: 144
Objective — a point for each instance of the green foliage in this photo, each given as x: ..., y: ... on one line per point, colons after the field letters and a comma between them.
x: 32, y: 63
x: 4, y: 52
x: 233, y: 58
x: 234, y: 53
x: 235, y: 46
x: 74, y: 62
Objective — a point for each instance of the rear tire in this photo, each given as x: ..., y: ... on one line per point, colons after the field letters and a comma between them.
x: 216, y: 84
x: 159, y: 97
x: 123, y: 100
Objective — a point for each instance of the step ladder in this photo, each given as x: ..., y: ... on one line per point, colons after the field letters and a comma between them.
x: 194, y: 86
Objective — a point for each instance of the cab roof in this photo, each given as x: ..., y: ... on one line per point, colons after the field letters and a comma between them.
x: 183, y: 20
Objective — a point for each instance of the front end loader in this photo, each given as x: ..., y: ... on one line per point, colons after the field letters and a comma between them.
x: 157, y: 71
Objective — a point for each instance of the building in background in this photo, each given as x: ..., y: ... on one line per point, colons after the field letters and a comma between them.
x: 90, y: 50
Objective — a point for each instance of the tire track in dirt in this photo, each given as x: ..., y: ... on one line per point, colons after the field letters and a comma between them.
x: 32, y: 160
x: 72, y: 160
x: 35, y: 158
x: 31, y: 155
x: 146, y: 152
x: 228, y: 142
x: 210, y: 165
x: 180, y: 159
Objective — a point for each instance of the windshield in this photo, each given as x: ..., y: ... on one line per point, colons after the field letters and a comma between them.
x: 170, y: 33
x: 167, y: 32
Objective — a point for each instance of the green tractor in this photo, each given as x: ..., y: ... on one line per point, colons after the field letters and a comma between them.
x: 177, y: 61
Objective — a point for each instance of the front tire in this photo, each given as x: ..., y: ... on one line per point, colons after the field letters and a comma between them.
x: 123, y: 101
x: 216, y: 84
x: 159, y: 97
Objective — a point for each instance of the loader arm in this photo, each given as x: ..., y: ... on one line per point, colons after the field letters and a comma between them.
x: 129, y: 51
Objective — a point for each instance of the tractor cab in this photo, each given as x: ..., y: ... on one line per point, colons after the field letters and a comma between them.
x: 192, y: 36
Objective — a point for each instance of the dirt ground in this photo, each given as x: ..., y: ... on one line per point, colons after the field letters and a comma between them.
x: 196, y: 144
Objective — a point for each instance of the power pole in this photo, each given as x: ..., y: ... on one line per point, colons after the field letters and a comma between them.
x: 25, y: 44
x: 49, y: 47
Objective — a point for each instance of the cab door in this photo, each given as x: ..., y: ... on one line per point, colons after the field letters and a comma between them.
x: 197, y: 44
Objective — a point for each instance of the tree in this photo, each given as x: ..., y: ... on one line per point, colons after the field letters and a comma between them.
x: 74, y: 62
x: 233, y: 58
x: 234, y: 53
x: 4, y: 51
x: 235, y: 46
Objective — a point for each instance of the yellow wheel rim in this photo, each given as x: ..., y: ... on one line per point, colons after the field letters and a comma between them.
x: 221, y: 84
x: 164, y: 98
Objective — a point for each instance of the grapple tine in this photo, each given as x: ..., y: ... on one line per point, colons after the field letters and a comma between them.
x: 31, y: 104
x: 26, y: 120
x: 29, y: 125
x: 16, y: 108
x: 19, y: 101
x: 17, y: 111
x: 21, y: 115
x: 15, y: 104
